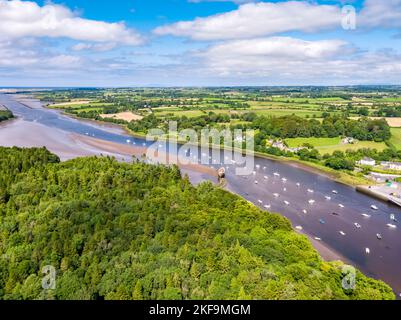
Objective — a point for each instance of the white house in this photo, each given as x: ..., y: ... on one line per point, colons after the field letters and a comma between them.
x: 391, y: 165
x: 366, y: 161
x: 348, y: 140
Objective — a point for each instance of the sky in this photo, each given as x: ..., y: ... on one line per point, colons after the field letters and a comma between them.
x: 131, y: 43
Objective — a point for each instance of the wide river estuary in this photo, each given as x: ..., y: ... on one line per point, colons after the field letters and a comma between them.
x: 341, y: 225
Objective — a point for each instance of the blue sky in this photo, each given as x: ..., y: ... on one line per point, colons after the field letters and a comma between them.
x: 198, y: 43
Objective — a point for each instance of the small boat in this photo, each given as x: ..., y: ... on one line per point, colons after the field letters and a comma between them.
x: 356, y: 224
x: 284, y: 189
x: 379, y: 236
x: 335, y: 191
x: 298, y: 184
x: 318, y: 239
x: 128, y: 141
x: 393, y: 226
x: 284, y: 179
x: 267, y: 206
x: 254, y: 172
x: 286, y: 203
x: 276, y: 195
x: 328, y: 198
x: 264, y: 168
x: 322, y: 221
x: 257, y: 166
x: 276, y: 174
x: 374, y: 207
x: 367, y: 250
x: 392, y: 217
x: 256, y: 182
x: 260, y: 201
x: 266, y: 177
x: 341, y: 205
x: 335, y: 214
x: 86, y: 133
x: 134, y: 143
x: 298, y: 227
x: 342, y: 233
x: 304, y: 211
x: 310, y: 191
x: 311, y: 201
x: 366, y: 215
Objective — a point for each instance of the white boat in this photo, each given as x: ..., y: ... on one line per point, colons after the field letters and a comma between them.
x: 392, y: 217
x: 257, y: 166
x: 276, y: 195
x: 254, y: 172
x: 318, y: 239
x: 264, y: 168
x: 367, y: 250
x: 393, y: 226
x: 374, y: 207
x: 366, y: 215
x: 310, y: 191
x: 328, y: 198
x: 311, y: 201
x: 267, y: 206
x: 266, y: 177
x: 260, y: 201
x: 276, y: 174
x: 286, y: 203
x: 298, y: 184
x: 256, y: 182
x: 335, y: 191
x: 304, y: 211
x: 341, y: 205
x: 342, y: 233
x: 128, y: 141
x: 298, y: 227
x: 284, y: 189
x: 356, y: 224
x: 134, y: 143
x: 379, y: 236
x: 284, y: 179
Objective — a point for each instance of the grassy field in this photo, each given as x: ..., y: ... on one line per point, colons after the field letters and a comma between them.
x: 396, y: 138
x: 329, y: 145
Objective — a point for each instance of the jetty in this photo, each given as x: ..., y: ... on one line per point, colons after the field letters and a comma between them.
x: 383, y: 193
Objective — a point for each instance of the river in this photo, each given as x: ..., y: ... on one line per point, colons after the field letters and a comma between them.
x: 324, y: 219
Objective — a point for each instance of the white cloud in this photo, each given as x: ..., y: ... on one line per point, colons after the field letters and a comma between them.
x: 19, y: 19
x: 257, y: 19
x: 381, y: 14
x: 284, y: 60
x: 97, y: 47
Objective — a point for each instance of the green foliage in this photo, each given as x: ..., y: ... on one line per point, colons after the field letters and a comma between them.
x: 136, y: 231
x: 5, y: 115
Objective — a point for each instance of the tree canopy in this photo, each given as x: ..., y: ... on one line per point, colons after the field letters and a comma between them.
x: 138, y: 231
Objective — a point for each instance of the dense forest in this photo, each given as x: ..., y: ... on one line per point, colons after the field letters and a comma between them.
x: 137, y: 231
x: 5, y: 115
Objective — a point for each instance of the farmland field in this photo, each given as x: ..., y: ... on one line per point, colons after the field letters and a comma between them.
x: 396, y: 138
x: 329, y: 145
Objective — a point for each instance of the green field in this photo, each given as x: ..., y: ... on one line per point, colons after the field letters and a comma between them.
x: 396, y: 138
x: 329, y: 145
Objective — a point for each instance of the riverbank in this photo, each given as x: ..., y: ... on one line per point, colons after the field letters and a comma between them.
x: 324, y: 250
x: 338, y: 176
